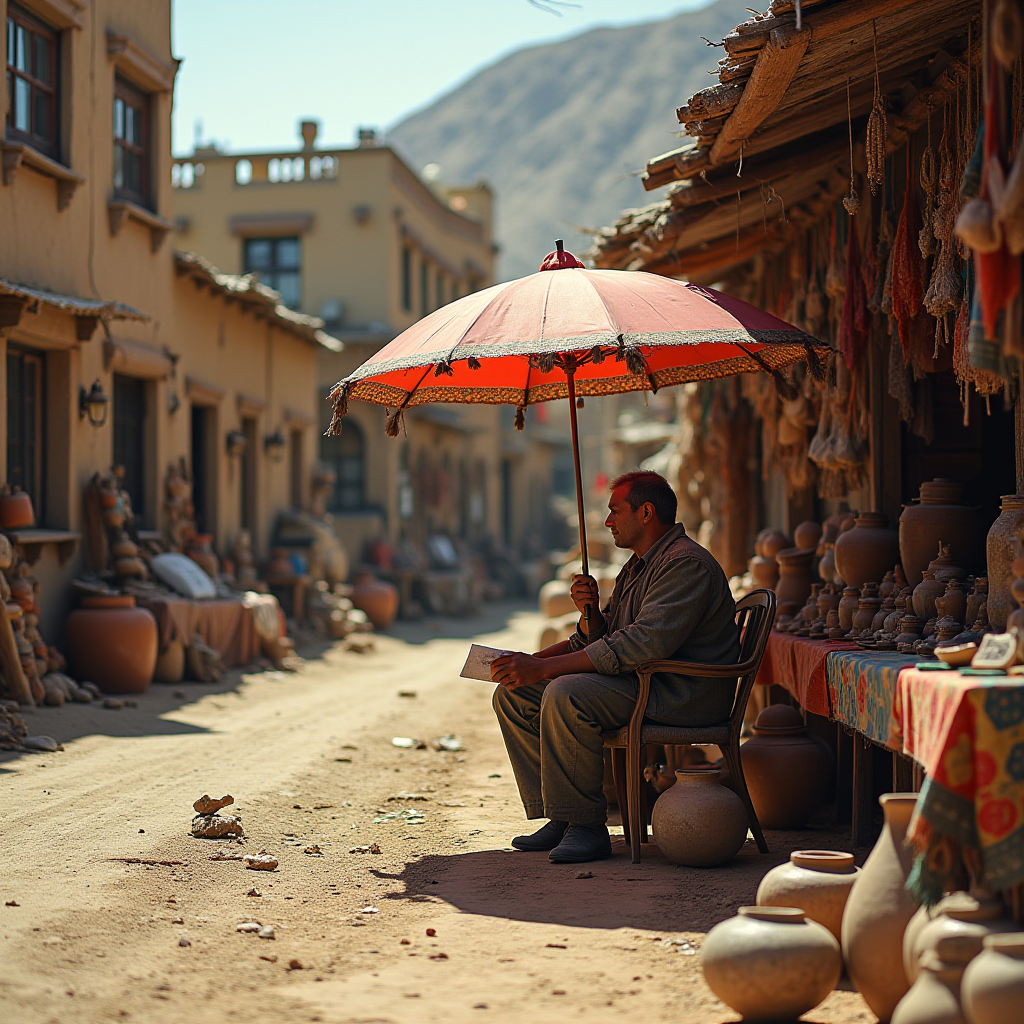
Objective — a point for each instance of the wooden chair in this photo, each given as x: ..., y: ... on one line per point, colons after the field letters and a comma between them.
x: 755, y: 614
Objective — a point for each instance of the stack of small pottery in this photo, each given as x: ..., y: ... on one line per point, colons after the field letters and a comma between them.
x: 763, y: 567
x: 698, y: 822
x: 788, y: 774
x: 771, y: 963
x: 118, y: 518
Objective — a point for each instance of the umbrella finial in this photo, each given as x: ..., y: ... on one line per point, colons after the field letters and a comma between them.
x: 560, y: 244
x: 561, y: 258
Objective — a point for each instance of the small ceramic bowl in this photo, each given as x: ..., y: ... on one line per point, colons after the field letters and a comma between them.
x: 957, y: 654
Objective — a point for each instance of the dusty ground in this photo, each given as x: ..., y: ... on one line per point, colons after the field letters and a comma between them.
x: 309, y: 760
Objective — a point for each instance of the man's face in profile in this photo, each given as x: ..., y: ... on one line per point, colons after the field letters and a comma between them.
x: 626, y: 525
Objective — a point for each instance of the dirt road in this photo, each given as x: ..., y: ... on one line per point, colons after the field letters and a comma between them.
x: 310, y: 763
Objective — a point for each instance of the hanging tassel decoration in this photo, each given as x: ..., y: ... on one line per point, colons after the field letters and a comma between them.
x: 877, y: 135
x: 852, y: 202
x: 443, y: 367
x: 473, y: 363
x: 339, y: 396
x: 520, y: 417
x: 395, y: 420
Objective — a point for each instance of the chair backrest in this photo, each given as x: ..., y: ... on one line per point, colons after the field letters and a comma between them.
x: 755, y: 614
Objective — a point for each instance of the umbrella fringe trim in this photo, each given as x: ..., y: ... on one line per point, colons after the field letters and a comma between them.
x: 586, y: 344
x: 339, y: 396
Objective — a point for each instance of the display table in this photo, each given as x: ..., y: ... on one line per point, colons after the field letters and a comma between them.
x: 225, y: 624
x: 797, y: 664
x: 968, y: 733
x: 862, y: 688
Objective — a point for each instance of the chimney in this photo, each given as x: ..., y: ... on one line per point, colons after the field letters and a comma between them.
x: 308, y: 130
x: 367, y: 138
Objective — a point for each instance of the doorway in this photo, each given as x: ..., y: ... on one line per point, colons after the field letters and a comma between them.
x: 204, y: 456
x: 130, y: 438
x: 248, y: 476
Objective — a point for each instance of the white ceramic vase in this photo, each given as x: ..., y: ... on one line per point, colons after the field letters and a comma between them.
x: 771, y: 963
x: 934, y: 998
x: 993, y: 986
x: 817, y: 881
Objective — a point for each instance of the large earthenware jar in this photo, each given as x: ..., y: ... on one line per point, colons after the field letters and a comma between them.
x: 868, y: 551
x: 698, y: 822
x: 878, y: 911
x: 377, y: 598
x: 794, y: 575
x: 771, y: 963
x: 788, y: 774
x: 939, y: 517
x: 992, y: 991
x: 816, y: 881
x: 112, y: 643
x: 1001, y: 548
x: 956, y: 914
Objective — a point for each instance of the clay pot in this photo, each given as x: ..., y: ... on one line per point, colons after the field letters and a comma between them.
x: 771, y: 963
x: 771, y: 541
x: 788, y: 774
x: 170, y: 664
x: 868, y: 606
x: 794, y: 574
x: 698, y: 822
x: 807, y: 534
x: 377, y: 598
x: 200, y: 550
x: 816, y: 881
x: 953, y: 602
x: 848, y: 606
x: 944, y: 568
x: 1002, y: 548
x: 992, y: 991
x: 878, y: 911
x: 939, y: 517
x: 957, y: 914
x: 868, y: 551
x: 16, y: 510
x: 112, y: 643
x: 925, y: 594
x: 934, y: 998
x: 827, y: 564
x: 765, y: 571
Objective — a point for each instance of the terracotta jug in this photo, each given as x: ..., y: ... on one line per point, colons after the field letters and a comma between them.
x: 377, y: 598
x: 925, y: 594
x: 1002, y: 547
x: 868, y: 605
x: 848, y: 606
x: 938, y: 516
x: 878, y: 911
x: 698, y: 822
x: 953, y: 602
x: 816, y: 881
x: 868, y: 551
x: 992, y: 991
x: 944, y: 566
x: 771, y: 963
x: 788, y: 774
x: 16, y: 510
x: 794, y: 574
x: 934, y: 998
x: 112, y: 644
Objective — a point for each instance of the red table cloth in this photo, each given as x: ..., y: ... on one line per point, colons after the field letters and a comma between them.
x: 797, y: 664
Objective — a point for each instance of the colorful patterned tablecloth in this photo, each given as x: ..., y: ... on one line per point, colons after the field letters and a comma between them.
x: 861, y: 688
x: 968, y: 733
x: 798, y: 665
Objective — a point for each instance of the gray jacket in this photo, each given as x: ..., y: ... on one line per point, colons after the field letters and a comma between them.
x: 672, y: 604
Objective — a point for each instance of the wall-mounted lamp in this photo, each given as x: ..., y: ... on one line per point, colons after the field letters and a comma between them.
x: 93, y: 403
x: 237, y: 442
x: 274, y: 445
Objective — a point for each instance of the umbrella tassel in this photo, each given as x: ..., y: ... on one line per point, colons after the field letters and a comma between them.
x: 786, y: 388
x: 340, y: 397
x: 473, y: 363
x: 814, y: 364
x: 443, y: 367
x: 395, y: 421
x: 520, y: 417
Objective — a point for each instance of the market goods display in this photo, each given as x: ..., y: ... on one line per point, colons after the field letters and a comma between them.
x: 771, y: 963
x: 816, y: 881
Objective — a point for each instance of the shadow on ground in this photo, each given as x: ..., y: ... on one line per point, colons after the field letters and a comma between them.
x: 491, y: 618
x: 653, y: 895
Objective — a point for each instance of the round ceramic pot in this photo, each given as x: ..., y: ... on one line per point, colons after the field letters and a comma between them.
x: 112, y: 643
x: 794, y: 575
x: 868, y: 551
x: 956, y: 914
x: 765, y: 571
x: 848, y: 605
x: 827, y: 564
x: 377, y: 598
x: 992, y: 991
x: 925, y: 594
x: 1002, y: 548
x: 771, y: 963
x: 978, y: 597
x: 807, y: 534
x: 816, y: 881
x: 868, y: 607
x: 771, y: 542
x: 934, y: 997
x: 788, y: 774
x: 698, y: 822
x: 170, y: 664
x: 939, y: 517
x: 16, y: 510
x: 878, y: 911
x: 953, y: 602
x: 200, y: 550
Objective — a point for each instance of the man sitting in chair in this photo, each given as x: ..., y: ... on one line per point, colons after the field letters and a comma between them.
x: 671, y: 602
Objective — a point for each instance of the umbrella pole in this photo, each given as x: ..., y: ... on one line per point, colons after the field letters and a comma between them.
x: 574, y: 427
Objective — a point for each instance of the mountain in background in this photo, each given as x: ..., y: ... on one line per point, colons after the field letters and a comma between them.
x: 558, y: 129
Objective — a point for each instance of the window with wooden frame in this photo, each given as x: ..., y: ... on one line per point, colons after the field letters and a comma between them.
x: 131, y: 143
x: 25, y: 424
x: 32, y: 76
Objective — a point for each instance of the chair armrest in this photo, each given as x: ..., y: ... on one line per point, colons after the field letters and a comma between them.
x: 694, y: 668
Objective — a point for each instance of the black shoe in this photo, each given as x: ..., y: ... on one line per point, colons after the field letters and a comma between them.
x: 546, y: 838
x: 582, y: 843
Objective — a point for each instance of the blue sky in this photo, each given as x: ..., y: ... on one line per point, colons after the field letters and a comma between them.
x: 254, y: 68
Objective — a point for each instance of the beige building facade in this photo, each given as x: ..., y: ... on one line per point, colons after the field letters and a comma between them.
x: 95, y: 298
x: 354, y: 236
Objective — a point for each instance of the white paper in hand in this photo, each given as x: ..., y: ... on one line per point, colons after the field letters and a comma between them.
x: 478, y: 663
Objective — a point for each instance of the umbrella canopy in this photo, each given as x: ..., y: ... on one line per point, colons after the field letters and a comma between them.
x: 517, y: 343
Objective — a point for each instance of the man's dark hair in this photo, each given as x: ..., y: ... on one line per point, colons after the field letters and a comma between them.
x: 645, y: 486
